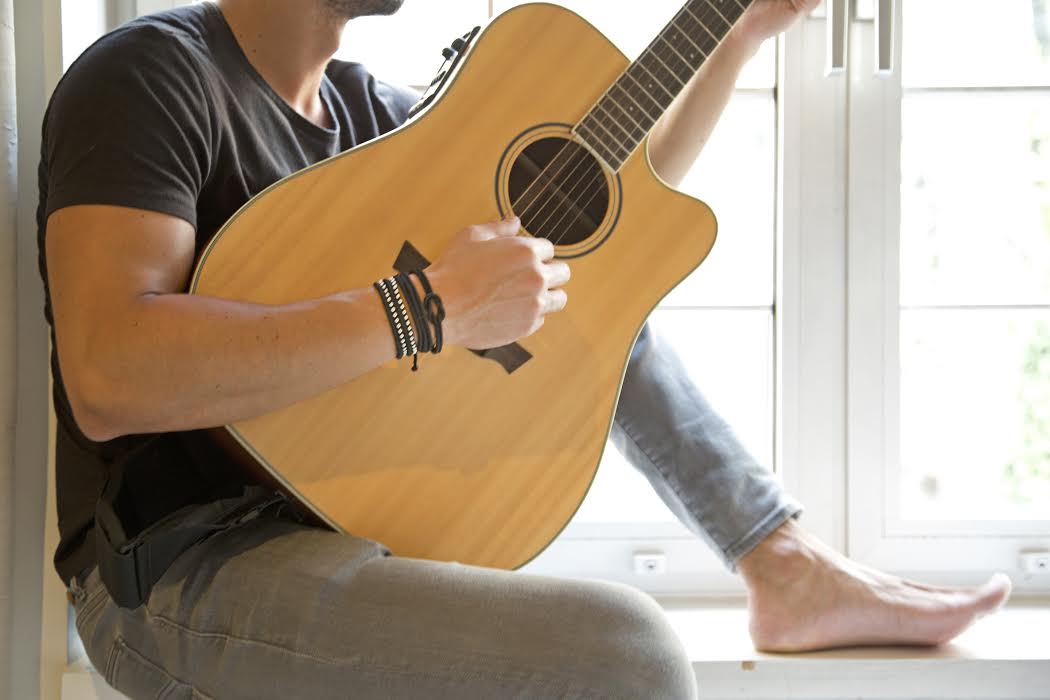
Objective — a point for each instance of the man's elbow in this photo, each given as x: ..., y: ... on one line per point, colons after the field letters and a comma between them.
x: 97, y: 404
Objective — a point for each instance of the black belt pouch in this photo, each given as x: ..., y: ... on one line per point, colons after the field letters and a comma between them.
x: 130, y: 564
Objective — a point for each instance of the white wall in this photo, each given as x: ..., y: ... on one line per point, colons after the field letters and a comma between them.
x: 8, y: 189
x: 37, y: 610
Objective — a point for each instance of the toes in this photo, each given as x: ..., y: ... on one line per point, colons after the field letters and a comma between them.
x: 993, y: 594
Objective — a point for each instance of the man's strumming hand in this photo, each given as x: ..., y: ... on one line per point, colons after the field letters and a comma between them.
x: 496, y: 286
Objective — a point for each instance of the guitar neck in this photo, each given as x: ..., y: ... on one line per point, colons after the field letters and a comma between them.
x: 629, y: 109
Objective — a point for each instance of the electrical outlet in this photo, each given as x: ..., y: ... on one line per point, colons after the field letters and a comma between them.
x: 1035, y: 561
x: 650, y: 563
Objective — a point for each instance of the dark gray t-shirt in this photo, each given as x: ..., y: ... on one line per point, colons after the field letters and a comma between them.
x: 166, y: 113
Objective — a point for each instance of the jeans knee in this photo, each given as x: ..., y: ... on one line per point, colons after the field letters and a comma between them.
x: 646, y: 658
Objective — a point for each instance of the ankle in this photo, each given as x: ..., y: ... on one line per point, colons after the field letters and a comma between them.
x: 782, y: 557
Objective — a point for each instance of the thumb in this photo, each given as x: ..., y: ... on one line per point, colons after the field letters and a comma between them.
x: 507, y: 227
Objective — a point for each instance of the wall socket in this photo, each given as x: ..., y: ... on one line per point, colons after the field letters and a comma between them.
x: 650, y: 563
x: 1035, y: 561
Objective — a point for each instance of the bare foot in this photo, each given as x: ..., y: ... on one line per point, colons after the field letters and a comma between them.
x: 803, y: 596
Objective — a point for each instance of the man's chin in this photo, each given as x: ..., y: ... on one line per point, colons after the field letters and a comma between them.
x: 360, y: 8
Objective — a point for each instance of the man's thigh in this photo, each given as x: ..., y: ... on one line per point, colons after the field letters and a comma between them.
x: 274, y: 609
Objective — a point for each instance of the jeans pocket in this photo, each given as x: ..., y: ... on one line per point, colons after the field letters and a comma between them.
x: 131, y: 673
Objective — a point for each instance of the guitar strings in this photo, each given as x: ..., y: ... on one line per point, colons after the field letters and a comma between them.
x: 598, y: 179
x: 567, y: 196
x: 552, y: 184
x: 565, y: 148
x: 550, y: 181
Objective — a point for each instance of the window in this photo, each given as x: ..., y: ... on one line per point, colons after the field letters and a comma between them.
x: 957, y: 291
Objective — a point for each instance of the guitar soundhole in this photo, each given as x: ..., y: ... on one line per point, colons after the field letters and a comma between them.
x: 559, y: 190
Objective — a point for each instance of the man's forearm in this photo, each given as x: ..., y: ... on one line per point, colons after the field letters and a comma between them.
x: 682, y: 132
x: 177, y: 362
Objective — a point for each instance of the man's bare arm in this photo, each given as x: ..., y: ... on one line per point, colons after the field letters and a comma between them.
x: 684, y: 129
x: 139, y: 356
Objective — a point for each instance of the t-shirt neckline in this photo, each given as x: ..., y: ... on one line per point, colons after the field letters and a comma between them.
x: 281, y: 103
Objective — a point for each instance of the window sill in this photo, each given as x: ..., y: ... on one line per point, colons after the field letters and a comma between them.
x: 1003, y: 657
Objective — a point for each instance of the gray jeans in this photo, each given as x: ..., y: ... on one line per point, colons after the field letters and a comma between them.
x: 275, y: 609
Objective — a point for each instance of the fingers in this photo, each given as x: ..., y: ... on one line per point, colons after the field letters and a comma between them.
x: 541, y: 247
x: 557, y: 274
x: 507, y: 228
x: 554, y: 300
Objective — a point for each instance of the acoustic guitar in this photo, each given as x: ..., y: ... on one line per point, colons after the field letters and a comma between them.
x: 481, y: 456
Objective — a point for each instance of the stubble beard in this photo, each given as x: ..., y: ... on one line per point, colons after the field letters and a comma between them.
x: 348, y: 9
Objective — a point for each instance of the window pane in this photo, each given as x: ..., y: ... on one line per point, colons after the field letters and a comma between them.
x: 405, y: 48
x: 729, y: 355
x: 736, y: 176
x: 976, y: 42
x: 631, y: 27
x: 82, y: 24
x: 975, y: 414
x: 975, y: 198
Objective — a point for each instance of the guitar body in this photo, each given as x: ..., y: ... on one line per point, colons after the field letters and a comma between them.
x: 469, y: 459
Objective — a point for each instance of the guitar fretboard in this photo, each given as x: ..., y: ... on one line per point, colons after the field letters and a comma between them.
x: 627, y: 112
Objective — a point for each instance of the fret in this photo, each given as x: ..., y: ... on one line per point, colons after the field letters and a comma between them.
x: 629, y: 84
x: 731, y: 10
x: 616, y: 145
x: 652, y: 96
x: 690, y: 66
x: 637, y: 132
x: 651, y: 82
x: 598, y: 147
x: 698, y: 32
x: 678, y: 68
x: 611, y: 144
x: 686, y: 36
x: 642, y: 110
x: 715, y: 8
x: 714, y: 21
x: 614, y: 128
x: 704, y: 26
x: 664, y: 77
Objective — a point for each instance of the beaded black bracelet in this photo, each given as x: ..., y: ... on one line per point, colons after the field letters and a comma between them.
x: 391, y: 315
x: 395, y: 291
x: 412, y: 295
x: 418, y: 314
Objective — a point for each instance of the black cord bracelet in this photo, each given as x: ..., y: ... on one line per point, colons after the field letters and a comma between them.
x: 408, y: 290
x: 435, y: 309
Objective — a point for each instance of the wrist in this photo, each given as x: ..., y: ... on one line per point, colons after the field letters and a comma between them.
x: 741, y: 45
x: 441, y: 287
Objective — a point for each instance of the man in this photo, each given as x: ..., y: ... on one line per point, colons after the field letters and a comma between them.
x: 154, y: 138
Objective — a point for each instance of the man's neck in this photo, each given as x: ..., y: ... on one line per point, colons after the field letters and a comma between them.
x: 289, y: 42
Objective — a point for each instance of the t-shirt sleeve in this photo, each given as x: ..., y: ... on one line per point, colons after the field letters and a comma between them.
x: 129, y: 125
x: 398, y: 99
